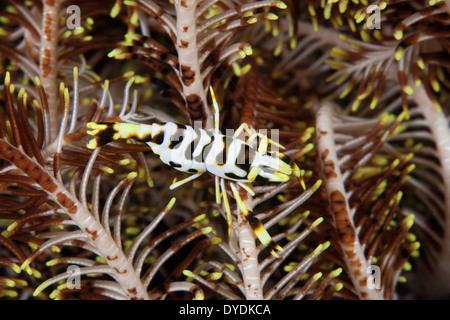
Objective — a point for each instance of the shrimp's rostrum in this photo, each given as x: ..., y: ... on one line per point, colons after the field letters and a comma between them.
x: 196, y: 151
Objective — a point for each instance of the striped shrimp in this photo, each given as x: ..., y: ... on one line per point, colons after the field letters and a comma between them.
x: 196, y: 151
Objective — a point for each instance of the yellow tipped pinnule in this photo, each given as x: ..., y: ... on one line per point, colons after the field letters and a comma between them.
x: 135, y: 18
x: 207, y: 230
x: 317, y: 222
x: 281, y: 5
x: 215, y: 275
x: 171, y: 203
x: 336, y: 272
x: 92, y: 144
x: 132, y: 175
x: 75, y: 73
x: 271, y: 16
x: 236, y: 69
x: 115, y: 10
x: 8, y: 78
x: 114, y: 53
x: 189, y: 274
x: 398, y: 34
x: 399, y: 53
x: 252, y: 20
x: 408, y: 90
x: 247, y: 49
x: 253, y: 173
x: 95, y: 125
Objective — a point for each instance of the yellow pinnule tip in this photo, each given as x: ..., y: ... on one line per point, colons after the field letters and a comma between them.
x: 336, y: 272
x: 278, y: 247
x: 52, y: 262
x: 114, y: 52
x: 399, y: 53
x: 92, y: 144
x: 92, y: 125
x: 281, y: 5
x: 302, y: 183
x: 124, y: 162
x: 150, y: 182
x: 115, y: 10
x: 215, y: 275
x: 10, y: 293
x: 317, y: 222
x: 253, y: 173
x: 171, y: 203
x: 132, y: 175
x: 317, y: 276
x: 22, y: 93
x: 12, y: 226
x: 40, y: 289
x: 131, y: 36
x: 199, y: 295
x: 26, y: 266
x: 75, y: 73
x: 129, y: 74
x: 408, y: 221
x: 16, y: 268
x: 252, y: 20
x: 274, y: 253
x: 200, y: 217
x: 398, y: 34
x: 215, y: 240
x: 55, y: 294
x: 9, y: 283
x: 339, y: 286
x: 271, y: 16
x: 236, y: 68
x: 189, y: 274
x: 207, y: 230
x: 107, y: 170
x: 211, y: 90
x: 408, y: 90
x: 134, y: 18
x: 248, y: 49
x: 106, y: 85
